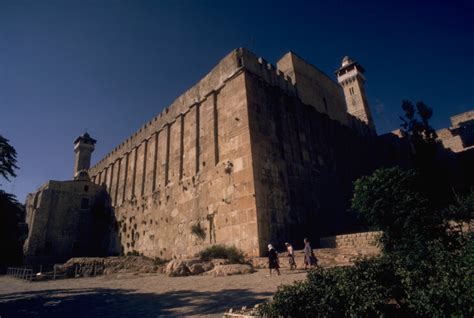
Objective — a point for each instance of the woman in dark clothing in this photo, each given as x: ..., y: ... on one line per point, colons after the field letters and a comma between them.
x: 273, y: 260
x: 309, y: 257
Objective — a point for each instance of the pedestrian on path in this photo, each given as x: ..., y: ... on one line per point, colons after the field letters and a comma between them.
x: 273, y: 260
x: 291, y: 256
x: 309, y: 257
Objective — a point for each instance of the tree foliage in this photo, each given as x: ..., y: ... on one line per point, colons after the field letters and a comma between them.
x: 415, y: 124
x: 11, y: 212
x: 7, y: 159
x: 392, y: 200
x: 335, y: 292
x: 425, y: 151
x: 426, y: 269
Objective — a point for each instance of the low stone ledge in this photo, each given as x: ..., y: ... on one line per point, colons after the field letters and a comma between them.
x: 356, y: 240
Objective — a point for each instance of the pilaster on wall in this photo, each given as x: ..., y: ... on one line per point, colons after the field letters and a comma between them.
x: 215, y: 121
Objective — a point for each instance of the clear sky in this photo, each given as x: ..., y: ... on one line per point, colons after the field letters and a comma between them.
x: 110, y: 66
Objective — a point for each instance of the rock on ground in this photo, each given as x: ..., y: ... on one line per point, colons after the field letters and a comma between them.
x: 92, y: 266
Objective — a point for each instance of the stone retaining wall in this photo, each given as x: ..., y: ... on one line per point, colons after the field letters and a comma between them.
x: 356, y: 240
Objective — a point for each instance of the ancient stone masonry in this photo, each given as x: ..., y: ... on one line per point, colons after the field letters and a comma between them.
x: 206, y: 159
x: 251, y: 154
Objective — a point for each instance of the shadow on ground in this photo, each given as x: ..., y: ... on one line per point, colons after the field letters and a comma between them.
x: 102, y: 302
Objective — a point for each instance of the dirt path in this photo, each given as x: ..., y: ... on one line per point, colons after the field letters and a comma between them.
x: 126, y: 295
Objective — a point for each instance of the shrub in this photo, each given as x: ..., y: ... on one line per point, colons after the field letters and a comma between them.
x: 159, y: 261
x: 391, y: 200
x: 231, y: 253
x: 199, y: 231
x: 425, y: 271
x: 442, y: 283
x: 336, y: 292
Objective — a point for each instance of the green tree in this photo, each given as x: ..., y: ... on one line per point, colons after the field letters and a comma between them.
x: 461, y: 211
x: 11, y: 212
x: 424, y: 270
x: 415, y: 127
x: 390, y: 200
x: 7, y: 159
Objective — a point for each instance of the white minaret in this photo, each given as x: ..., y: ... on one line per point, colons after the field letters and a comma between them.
x: 351, y: 77
x: 83, y: 147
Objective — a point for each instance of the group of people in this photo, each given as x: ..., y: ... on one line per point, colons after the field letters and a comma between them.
x: 309, y: 257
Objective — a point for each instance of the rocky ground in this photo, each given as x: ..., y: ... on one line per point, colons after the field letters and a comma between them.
x: 122, y: 293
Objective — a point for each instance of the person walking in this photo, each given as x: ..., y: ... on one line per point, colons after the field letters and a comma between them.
x: 291, y: 256
x: 273, y: 260
x: 309, y: 257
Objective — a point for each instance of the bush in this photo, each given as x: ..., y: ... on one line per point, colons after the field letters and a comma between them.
x: 440, y: 284
x: 335, y: 292
x: 231, y: 253
x: 425, y: 270
x: 159, y: 261
x: 392, y: 201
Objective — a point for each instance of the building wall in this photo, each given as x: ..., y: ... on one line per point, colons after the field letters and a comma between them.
x: 304, y: 164
x: 60, y: 225
x: 314, y: 87
x: 194, y: 163
x: 189, y: 166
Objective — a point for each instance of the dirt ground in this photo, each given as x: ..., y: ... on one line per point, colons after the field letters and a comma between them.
x: 145, y: 295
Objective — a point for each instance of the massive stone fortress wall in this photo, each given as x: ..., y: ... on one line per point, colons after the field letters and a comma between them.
x: 202, y: 163
x: 304, y: 164
x: 189, y: 166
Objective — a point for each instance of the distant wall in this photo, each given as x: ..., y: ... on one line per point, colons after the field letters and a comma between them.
x: 62, y: 225
x: 314, y: 87
x: 356, y: 240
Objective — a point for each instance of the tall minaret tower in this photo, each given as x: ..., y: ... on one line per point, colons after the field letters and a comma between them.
x: 83, y: 147
x: 351, y: 77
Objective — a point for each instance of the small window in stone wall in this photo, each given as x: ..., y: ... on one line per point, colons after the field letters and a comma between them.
x: 84, y: 203
x: 86, y: 188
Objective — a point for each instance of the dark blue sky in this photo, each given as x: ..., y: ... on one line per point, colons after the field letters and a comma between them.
x: 109, y: 66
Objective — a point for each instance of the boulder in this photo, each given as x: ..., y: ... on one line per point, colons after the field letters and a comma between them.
x: 196, y: 269
x: 231, y: 269
x: 177, y: 268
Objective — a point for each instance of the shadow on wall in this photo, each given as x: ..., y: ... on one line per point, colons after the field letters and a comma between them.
x: 102, y: 302
x: 104, y: 240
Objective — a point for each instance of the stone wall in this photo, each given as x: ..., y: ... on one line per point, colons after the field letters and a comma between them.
x: 66, y: 218
x: 315, y: 88
x: 240, y: 156
x: 189, y: 167
x: 304, y: 165
x: 356, y: 240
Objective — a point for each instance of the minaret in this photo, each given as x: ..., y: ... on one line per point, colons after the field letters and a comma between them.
x: 83, y: 148
x: 351, y: 77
